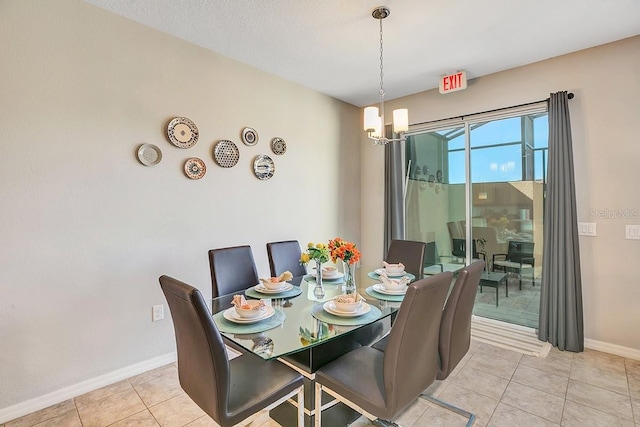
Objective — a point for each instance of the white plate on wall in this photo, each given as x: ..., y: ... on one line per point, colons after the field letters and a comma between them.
x: 149, y: 154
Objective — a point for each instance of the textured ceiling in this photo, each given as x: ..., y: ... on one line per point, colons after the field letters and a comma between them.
x: 332, y: 46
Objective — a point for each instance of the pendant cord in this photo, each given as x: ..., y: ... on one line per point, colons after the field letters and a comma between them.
x: 382, y: 130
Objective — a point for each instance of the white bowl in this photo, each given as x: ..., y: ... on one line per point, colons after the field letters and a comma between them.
x: 393, y: 285
x: 274, y: 286
x: 329, y: 272
x: 394, y: 268
x: 346, y: 303
x: 253, y: 312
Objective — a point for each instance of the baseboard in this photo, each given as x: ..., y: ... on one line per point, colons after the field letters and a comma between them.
x: 618, y: 350
x: 23, y: 408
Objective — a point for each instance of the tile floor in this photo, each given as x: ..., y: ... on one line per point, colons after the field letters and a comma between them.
x: 501, y: 387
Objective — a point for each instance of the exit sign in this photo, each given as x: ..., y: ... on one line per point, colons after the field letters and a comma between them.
x: 453, y: 82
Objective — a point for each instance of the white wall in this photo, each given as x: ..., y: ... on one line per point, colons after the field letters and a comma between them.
x: 605, y: 125
x: 86, y: 230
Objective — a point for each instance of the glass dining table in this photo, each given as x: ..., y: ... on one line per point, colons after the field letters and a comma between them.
x: 302, y: 332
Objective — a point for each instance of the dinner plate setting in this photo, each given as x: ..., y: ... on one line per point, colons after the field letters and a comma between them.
x: 264, y: 290
x: 231, y: 315
x: 335, y: 276
x: 379, y: 287
x: 371, y: 291
x: 261, y: 292
x: 331, y: 308
x: 376, y: 275
x: 368, y: 314
x: 229, y: 322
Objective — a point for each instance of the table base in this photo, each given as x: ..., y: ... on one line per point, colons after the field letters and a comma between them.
x: 335, y: 413
x: 310, y: 360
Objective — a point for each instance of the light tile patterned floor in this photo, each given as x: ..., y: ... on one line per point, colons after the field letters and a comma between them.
x: 501, y: 387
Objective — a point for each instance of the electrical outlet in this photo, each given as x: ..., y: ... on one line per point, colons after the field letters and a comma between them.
x: 632, y: 232
x: 157, y: 313
x: 586, y: 228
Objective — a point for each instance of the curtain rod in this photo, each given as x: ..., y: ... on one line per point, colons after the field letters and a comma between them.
x: 570, y: 95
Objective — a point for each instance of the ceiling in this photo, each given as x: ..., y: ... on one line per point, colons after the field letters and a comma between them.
x: 332, y: 46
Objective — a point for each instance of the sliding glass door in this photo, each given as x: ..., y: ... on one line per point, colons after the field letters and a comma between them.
x: 480, y: 184
x: 434, y: 204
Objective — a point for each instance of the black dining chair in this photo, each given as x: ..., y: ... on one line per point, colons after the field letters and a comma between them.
x: 455, y: 329
x: 381, y: 384
x: 229, y: 391
x: 233, y: 269
x: 408, y: 252
x: 285, y: 256
x: 519, y: 256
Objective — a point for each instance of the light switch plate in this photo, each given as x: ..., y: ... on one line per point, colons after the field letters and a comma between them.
x: 632, y: 232
x: 587, y: 229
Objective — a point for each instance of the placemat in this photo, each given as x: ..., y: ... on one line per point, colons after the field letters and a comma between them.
x: 312, y: 278
x: 319, y: 313
x: 376, y: 276
x: 383, y: 297
x: 248, y: 328
x: 251, y: 292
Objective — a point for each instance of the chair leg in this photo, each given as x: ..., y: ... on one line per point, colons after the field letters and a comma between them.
x: 318, y: 405
x: 459, y: 411
x: 301, y: 407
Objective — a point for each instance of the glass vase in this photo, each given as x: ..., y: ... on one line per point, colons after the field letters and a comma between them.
x: 318, y: 291
x: 349, y: 278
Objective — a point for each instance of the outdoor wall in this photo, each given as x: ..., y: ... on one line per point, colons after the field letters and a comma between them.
x: 86, y: 230
x: 605, y: 125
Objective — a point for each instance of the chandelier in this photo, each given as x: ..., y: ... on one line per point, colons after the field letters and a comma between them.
x: 374, y: 116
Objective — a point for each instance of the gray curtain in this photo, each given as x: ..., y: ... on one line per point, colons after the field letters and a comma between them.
x: 561, y: 320
x: 393, y: 194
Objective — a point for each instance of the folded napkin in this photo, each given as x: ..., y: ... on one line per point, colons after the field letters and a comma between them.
x: 349, y: 298
x: 281, y: 278
x: 404, y: 280
x: 240, y: 302
x: 399, y: 265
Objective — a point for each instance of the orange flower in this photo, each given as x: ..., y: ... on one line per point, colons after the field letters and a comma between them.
x: 346, y: 251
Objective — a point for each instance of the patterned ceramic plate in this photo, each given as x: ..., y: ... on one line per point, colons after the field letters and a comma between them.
x: 182, y: 132
x: 278, y: 146
x: 249, y: 136
x: 226, y: 154
x: 149, y: 154
x: 194, y: 168
x: 263, y: 167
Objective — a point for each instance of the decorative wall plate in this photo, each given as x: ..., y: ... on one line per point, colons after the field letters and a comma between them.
x: 182, y: 132
x: 149, y: 154
x: 439, y: 175
x: 226, y: 153
x: 278, y: 146
x: 249, y: 136
x: 263, y: 167
x: 194, y: 168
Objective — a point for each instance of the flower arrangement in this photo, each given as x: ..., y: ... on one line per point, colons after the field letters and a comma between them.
x: 346, y: 251
x: 318, y: 252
